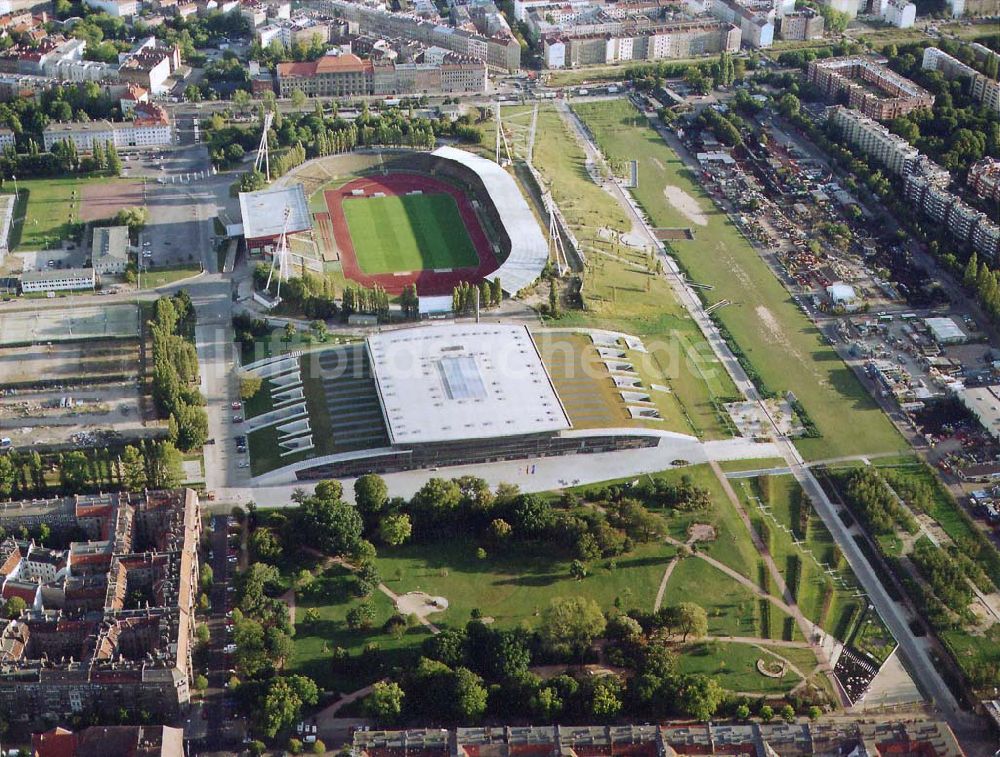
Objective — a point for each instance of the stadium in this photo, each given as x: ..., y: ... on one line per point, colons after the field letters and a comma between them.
x: 396, y: 218
x: 451, y: 394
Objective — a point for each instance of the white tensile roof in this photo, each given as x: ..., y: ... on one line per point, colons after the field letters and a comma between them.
x: 463, y: 381
x: 528, y: 249
x: 264, y: 211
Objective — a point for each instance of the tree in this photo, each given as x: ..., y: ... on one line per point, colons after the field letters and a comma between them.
x: 133, y: 469
x: 553, y: 299
x: 200, y: 682
x: 767, y: 713
x: 385, y: 703
x: 368, y: 579
x: 578, y: 570
x: 971, y: 277
x: 14, y: 607
x: 789, y: 105
x: 299, y: 98
x: 284, y: 701
x: 371, y: 494
x: 264, y: 545
x: 361, y: 615
x: 468, y: 695
x: 134, y: 217
x: 570, y: 624
x: 605, y: 697
x: 329, y: 524
x: 250, y: 385
x: 395, y: 530
x: 699, y: 696
x: 788, y: 713
x: 692, y: 620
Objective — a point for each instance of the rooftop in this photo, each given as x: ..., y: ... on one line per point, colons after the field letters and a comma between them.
x: 463, y: 381
x: 110, y: 243
x: 264, y: 211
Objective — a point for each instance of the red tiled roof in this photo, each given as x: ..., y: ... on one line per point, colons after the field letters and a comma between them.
x: 55, y: 743
x: 328, y: 64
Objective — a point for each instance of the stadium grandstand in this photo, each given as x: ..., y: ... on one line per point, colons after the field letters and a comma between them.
x: 528, y: 248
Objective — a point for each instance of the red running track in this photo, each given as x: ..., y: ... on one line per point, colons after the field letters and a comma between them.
x: 428, y: 282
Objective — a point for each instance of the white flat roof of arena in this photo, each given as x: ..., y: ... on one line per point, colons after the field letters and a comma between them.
x: 463, y: 381
x: 528, y: 248
x: 264, y: 211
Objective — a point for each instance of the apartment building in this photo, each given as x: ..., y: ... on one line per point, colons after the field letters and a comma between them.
x: 756, y: 26
x: 680, y: 39
x: 300, y: 30
x: 899, y: 13
x: 348, y: 75
x: 925, y: 182
x: 329, y: 76
x: 983, y: 89
x: 868, y: 86
x: 984, y: 179
x: 876, y: 141
x: 116, y: 8
x: 150, y: 127
x: 802, y: 25
x: 87, y: 645
x: 500, y: 50
x: 964, y: 222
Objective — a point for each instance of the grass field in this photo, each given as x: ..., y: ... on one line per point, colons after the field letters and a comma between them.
x: 409, y: 233
x: 621, y: 289
x: 778, y: 339
x: 735, y: 666
x: 45, y: 210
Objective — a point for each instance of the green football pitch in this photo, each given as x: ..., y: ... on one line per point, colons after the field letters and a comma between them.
x: 408, y: 233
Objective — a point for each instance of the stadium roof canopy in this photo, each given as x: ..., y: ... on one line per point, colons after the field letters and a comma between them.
x: 528, y: 249
x: 463, y: 381
x: 264, y: 211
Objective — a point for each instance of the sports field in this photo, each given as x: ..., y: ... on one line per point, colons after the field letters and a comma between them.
x: 413, y: 232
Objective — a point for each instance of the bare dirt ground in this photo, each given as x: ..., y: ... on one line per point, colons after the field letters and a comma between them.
x: 38, y: 417
x: 686, y: 204
x: 104, y: 200
x: 94, y: 360
x: 420, y: 604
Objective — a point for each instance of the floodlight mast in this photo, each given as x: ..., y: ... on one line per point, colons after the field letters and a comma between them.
x: 280, y: 258
x: 263, y: 155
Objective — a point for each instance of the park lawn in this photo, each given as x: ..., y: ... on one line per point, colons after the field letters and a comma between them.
x: 784, y: 501
x: 332, y: 595
x: 562, y: 161
x: 732, y: 608
x: 622, y: 291
x: 786, y: 349
x: 408, y: 233
x: 734, y: 666
x: 513, y: 587
x: 732, y: 546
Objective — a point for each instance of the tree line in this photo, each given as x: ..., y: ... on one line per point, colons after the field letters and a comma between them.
x: 464, y: 296
x: 175, y: 372
x: 147, y: 463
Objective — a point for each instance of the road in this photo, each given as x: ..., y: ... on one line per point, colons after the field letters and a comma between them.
x: 916, y: 651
